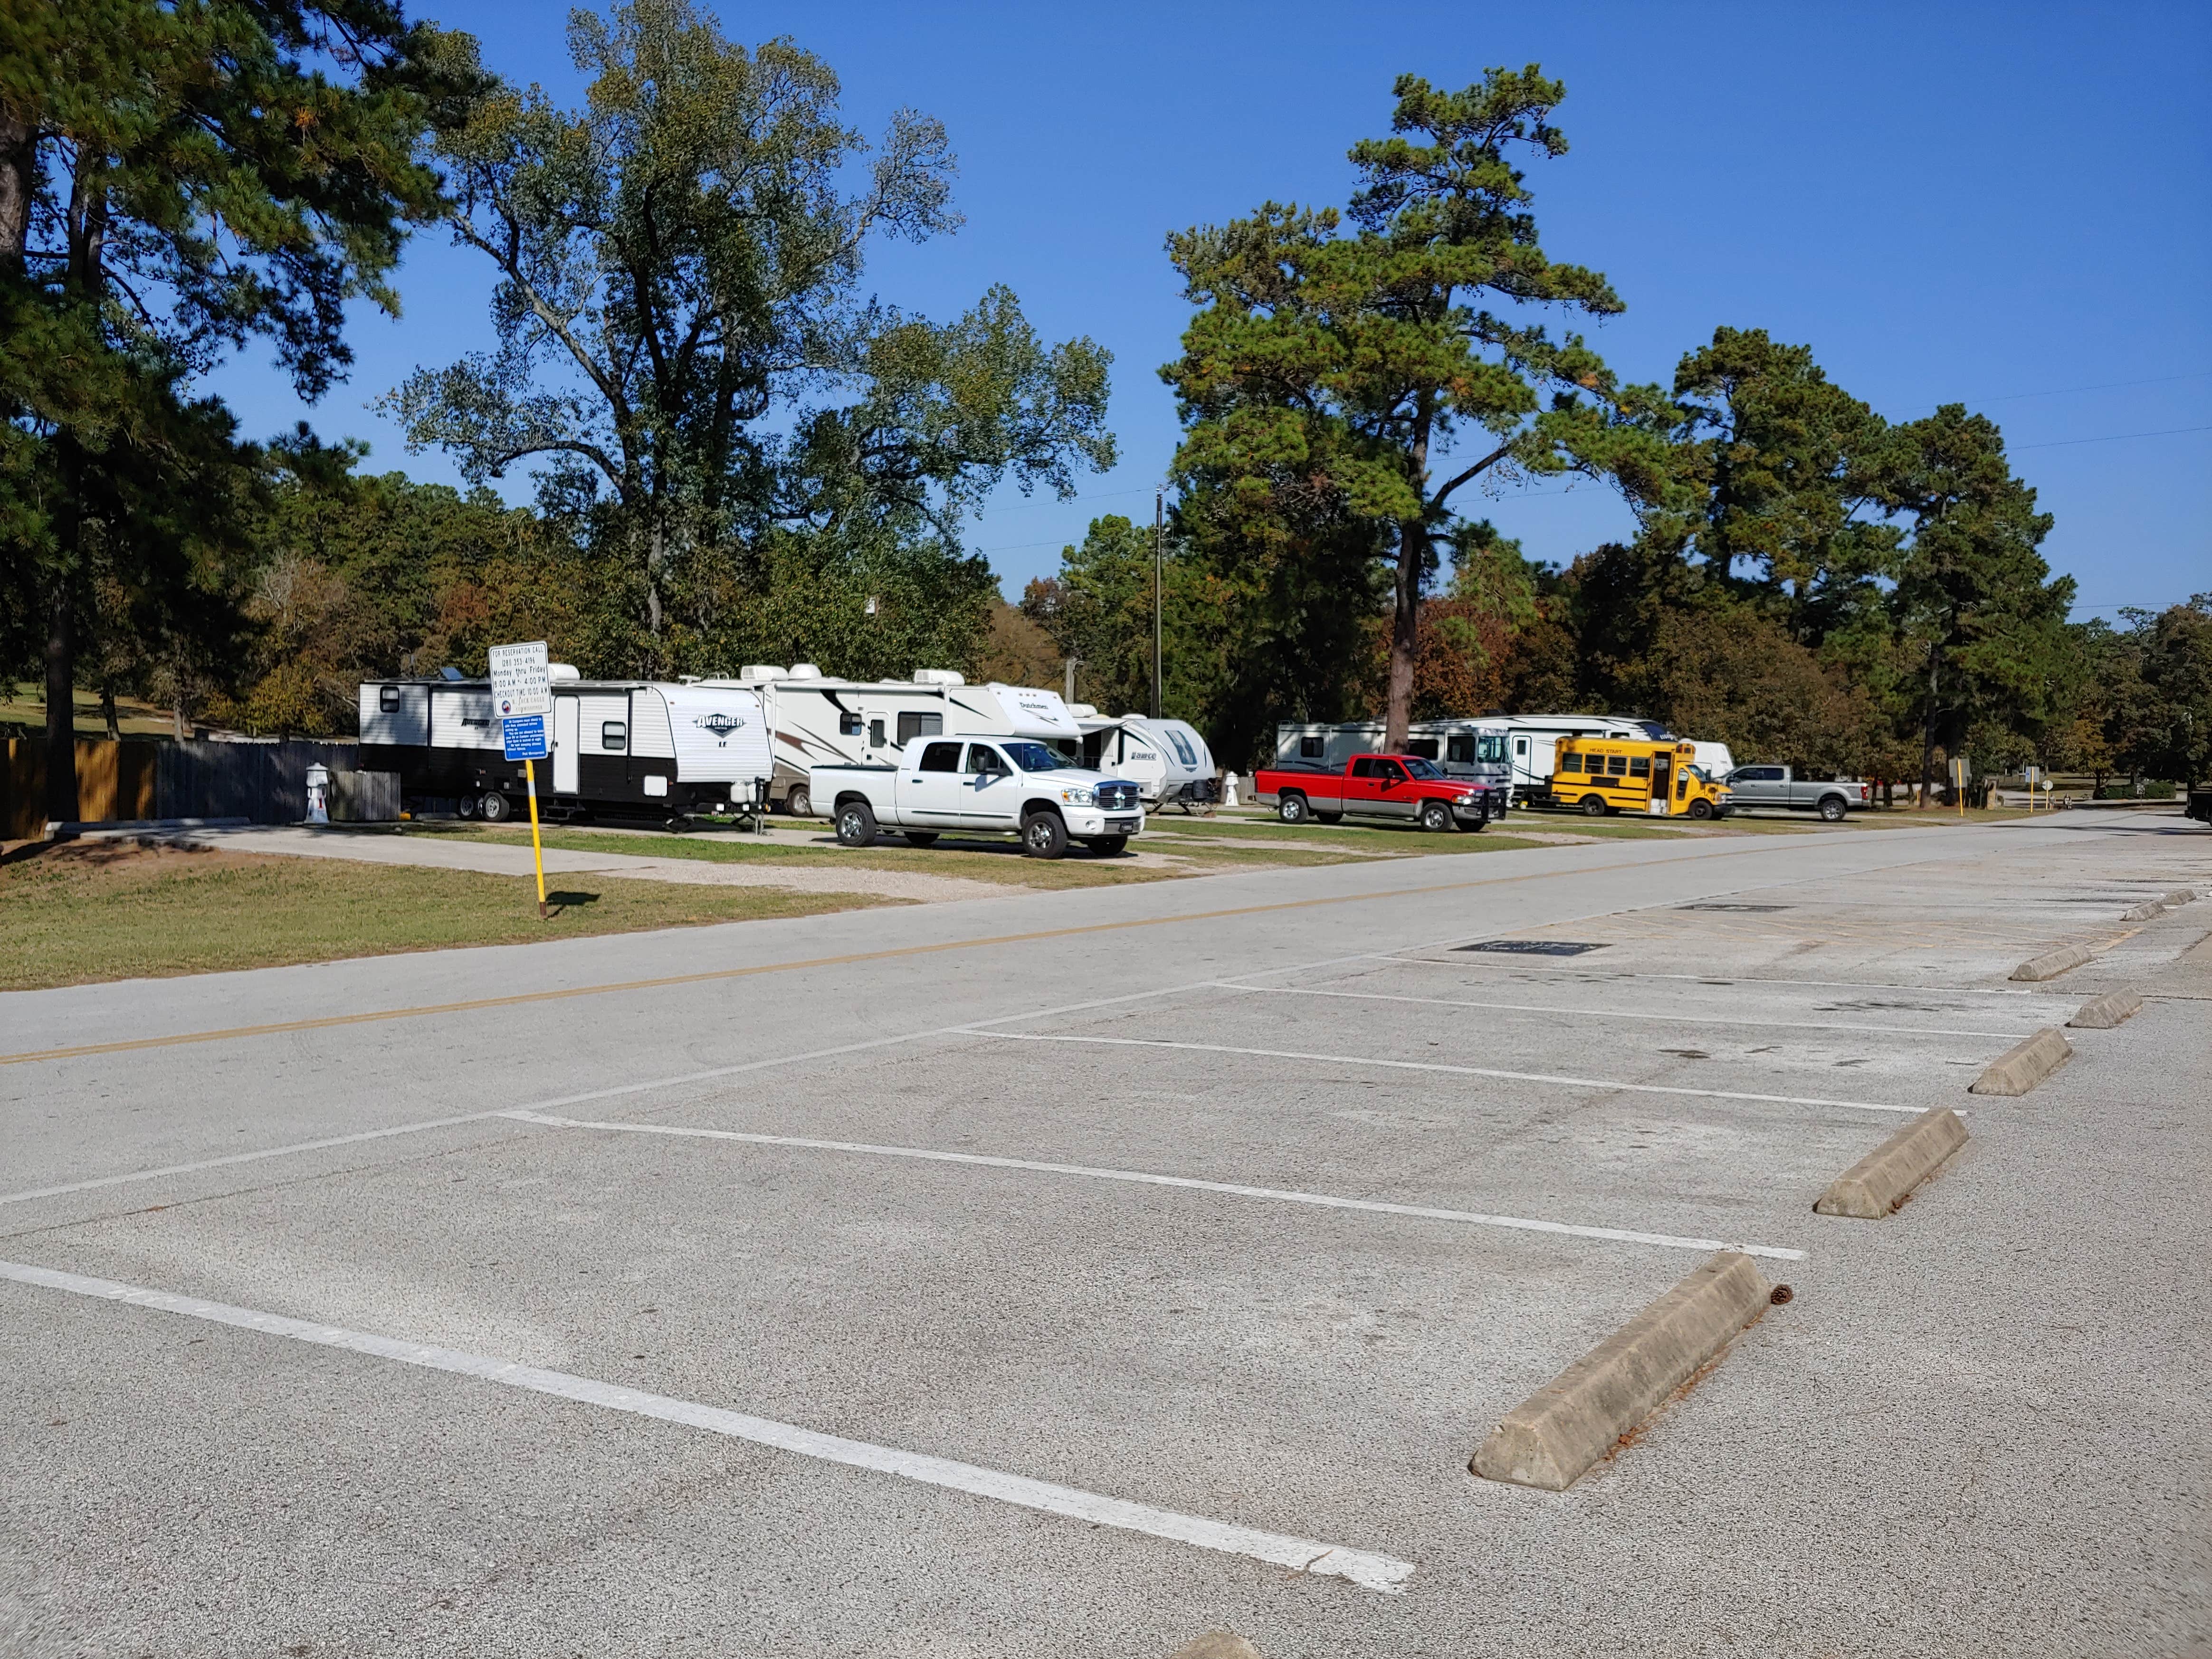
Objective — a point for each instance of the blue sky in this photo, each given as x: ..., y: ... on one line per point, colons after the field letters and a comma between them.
x: 2009, y: 205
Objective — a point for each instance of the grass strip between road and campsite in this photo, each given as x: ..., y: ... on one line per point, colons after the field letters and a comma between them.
x: 80, y: 912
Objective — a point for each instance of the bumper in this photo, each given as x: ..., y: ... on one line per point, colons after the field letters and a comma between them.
x: 1083, y: 821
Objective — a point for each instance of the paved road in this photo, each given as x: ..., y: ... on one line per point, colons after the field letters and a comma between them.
x: 313, y: 1350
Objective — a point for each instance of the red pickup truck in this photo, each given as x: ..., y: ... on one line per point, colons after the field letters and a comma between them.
x: 1403, y: 787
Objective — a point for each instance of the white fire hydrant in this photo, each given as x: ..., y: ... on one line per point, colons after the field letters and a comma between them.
x: 318, y: 793
x: 1229, y: 789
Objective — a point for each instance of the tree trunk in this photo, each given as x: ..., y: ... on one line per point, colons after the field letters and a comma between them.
x: 1405, y: 633
x: 19, y: 157
x: 108, y: 711
x: 1928, y: 730
x: 61, y: 703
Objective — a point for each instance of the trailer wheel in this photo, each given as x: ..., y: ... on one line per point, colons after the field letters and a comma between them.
x: 1291, y: 808
x: 465, y: 806
x: 1701, y: 809
x: 922, y: 837
x: 1435, y: 816
x: 856, y: 824
x: 1832, y: 809
x: 1107, y: 847
x: 798, y: 802
x: 497, y: 809
x: 1593, y: 806
x: 1045, y: 836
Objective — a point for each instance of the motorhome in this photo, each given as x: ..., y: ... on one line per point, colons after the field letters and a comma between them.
x: 639, y: 746
x: 820, y: 722
x: 1167, y: 759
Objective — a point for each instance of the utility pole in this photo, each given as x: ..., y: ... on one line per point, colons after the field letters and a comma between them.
x: 1159, y: 559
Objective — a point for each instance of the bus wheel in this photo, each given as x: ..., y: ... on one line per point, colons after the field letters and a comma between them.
x: 1701, y: 809
x: 1593, y: 806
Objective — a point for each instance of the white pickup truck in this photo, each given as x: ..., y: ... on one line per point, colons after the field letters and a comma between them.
x: 1013, y: 784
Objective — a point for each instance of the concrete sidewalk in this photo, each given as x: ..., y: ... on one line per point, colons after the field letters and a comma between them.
x: 489, y: 858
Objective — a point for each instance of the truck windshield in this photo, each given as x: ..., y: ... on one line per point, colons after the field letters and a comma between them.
x: 1421, y: 768
x: 1035, y: 757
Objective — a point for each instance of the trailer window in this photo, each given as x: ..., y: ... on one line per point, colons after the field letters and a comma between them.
x: 614, y: 736
x: 1188, y: 755
x: 940, y: 757
x: 875, y: 734
x: 1459, y: 748
x: 1424, y: 747
x: 912, y: 725
x: 387, y: 698
x: 1310, y: 748
x: 848, y: 724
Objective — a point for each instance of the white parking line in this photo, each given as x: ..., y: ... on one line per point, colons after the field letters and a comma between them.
x: 1518, y: 962
x: 1437, y: 1065
x: 1615, y: 1013
x: 1374, y: 1572
x: 1324, y: 1201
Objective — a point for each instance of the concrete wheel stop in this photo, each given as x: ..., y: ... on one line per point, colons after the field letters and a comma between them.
x: 1875, y: 1186
x: 1552, y: 1437
x: 2102, y: 1013
x: 2024, y: 1064
x: 2052, y: 963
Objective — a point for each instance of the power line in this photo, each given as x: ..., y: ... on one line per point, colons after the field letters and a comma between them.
x: 2114, y: 437
x: 2102, y: 386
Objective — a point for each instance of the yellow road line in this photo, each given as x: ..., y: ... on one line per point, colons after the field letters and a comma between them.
x: 329, y: 1021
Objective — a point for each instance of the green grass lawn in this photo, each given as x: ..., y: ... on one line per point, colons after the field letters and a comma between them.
x: 85, y: 911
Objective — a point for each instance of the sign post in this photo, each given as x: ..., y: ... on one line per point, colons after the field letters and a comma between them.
x: 1960, y: 772
x: 2034, y: 782
x: 522, y: 691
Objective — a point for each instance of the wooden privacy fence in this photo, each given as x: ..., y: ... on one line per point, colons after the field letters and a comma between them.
x: 120, y: 782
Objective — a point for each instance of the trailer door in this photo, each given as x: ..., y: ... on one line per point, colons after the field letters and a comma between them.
x: 564, y: 745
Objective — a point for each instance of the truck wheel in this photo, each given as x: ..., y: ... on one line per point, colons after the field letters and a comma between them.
x: 1593, y: 806
x: 856, y: 824
x: 1292, y: 809
x: 1328, y: 817
x: 1831, y: 808
x: 1701, y: 809
x: 1045, y: 836
x: 497, y: 809
x: 922, y: 837
x: 1435, y: 816
x: 798, y: 803
x: 1107, y: 847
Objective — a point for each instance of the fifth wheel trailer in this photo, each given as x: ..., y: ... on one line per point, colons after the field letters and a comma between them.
x: 817, y: 720
x: 639, y: 746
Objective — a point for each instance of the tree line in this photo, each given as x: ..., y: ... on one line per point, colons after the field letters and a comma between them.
x: 740, y: 453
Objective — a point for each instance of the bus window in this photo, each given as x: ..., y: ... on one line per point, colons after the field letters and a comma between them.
x: 1617, y: 764
x: 1570, y: 762
x: 1640, y: 767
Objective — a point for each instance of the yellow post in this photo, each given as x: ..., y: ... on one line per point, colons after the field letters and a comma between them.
x: 537, y: 848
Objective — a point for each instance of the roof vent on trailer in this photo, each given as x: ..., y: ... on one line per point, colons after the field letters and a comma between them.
x: 1082, y: 711
x: 762, y: 671
x: 805, y: 671
x: 562, y: 673
x: 938, y: 677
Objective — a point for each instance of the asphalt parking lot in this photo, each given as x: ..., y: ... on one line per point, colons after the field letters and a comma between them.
x: 1076, y: 1273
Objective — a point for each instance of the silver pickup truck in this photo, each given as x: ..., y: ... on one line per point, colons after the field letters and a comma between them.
x: 1777, y: 786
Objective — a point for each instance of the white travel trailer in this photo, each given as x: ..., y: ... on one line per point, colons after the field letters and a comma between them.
x: 819, y: 721
x: 625, y: 745
x: 1166, y: 759
x: 1475, y: 749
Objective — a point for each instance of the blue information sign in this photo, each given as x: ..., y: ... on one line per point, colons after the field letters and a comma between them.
x: 524, y: 737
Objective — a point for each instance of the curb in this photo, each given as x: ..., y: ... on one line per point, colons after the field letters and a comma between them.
x: 1551, y: 1437
x: 2180, y: 897
x: 2102, y: 1013
x: 1885, y: 1176
x: 2024, y: 1064
x: 2144, y: 912
x: 2052, y: 963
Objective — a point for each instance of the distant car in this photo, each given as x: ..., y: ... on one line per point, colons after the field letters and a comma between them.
x: 1779, y: 786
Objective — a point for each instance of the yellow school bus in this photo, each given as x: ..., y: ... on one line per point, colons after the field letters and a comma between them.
x: 1613, y: 774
